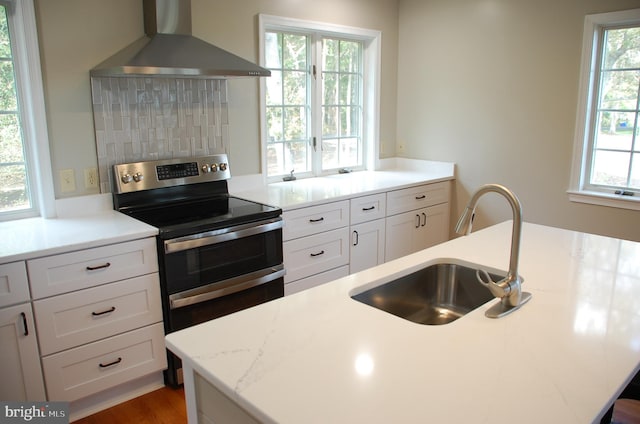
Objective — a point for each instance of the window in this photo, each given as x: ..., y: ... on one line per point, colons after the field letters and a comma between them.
x: 607, y: 168
x: 24, y: 153
x: 319, y: 102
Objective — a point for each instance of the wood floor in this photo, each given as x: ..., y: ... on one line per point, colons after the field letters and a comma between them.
x: 163, y: 406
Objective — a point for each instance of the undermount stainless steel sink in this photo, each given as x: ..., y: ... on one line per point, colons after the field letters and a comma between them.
x: 435, y: 295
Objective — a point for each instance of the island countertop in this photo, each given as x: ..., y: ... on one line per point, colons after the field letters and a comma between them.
x: 319, y: 356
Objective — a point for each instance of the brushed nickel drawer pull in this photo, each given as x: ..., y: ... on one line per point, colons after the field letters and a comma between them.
x: 117, y: 361
x: 111, y: 309
x: 93, y: 268
x: 316, y: 254
x: 317, y: 220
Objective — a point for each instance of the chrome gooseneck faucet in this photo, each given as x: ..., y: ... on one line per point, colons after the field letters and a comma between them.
x: 509, y: 289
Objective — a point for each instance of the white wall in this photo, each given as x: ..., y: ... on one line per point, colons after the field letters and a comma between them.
x: 492, y: 86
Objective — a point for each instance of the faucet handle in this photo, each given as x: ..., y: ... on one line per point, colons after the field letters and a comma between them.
x: 499, y: 289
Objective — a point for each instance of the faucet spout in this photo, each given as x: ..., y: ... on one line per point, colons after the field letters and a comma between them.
x: 509, y: 289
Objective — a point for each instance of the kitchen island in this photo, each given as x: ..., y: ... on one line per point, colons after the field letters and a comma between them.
x: 320, y: 356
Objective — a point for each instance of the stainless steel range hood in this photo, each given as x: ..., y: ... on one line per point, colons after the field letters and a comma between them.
x: 169, y: 49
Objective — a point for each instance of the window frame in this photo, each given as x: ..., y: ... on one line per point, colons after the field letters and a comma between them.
x: 580, y: 189
x: 371, y: 40
x: 29, y: 86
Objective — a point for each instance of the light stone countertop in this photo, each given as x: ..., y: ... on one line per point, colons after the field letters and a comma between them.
x: 313, y: 191
x: 318, y: 356
x: 84, y: 222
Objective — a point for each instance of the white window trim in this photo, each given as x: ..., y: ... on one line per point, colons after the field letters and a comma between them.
x: 372, y: 40
x: 577, y: 191
x: 34, y: 121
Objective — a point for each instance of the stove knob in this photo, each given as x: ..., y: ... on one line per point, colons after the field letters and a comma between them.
x: 137, y: 177
x: 223, y: 166
x: 214, y: 167
x: 126, y: 178
x: 206, y: 168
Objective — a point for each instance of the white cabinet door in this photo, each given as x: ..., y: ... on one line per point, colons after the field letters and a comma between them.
x: 401, y: 233
x: 19, y: 357
x: 435, y: 229
x: 416, y: 230
x: 367, y: 245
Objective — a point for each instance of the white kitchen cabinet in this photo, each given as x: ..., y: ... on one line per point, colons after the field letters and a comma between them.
x: 57, y: 274
x: 19, y: 356
x: 91, y: 368
x: 311, y: 255
x: 316, y: 240
x: 416, y: 230
x: 315, y: 280
x: 315, y: 219
x: 412, y: 198
x: 367, y: 245
x: 14, y: 285
x: 322, y: 241
x: 367, y: 232
x: 83, y: 316
x: 99, y: 317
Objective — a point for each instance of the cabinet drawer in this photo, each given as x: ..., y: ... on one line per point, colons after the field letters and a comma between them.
x: 367, y: 208
x: 412, y: 198
x: 14, y: 286
x: 315, y: 280
x: 97, y: 366
x: 63, y: 273
x: 92, y: 314
x: 311, y: 255
x: 315, y: 219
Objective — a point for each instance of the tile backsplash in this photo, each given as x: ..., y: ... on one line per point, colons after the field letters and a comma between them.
x: 141, y: 118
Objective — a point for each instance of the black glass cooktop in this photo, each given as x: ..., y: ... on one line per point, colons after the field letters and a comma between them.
x: 191, y: 217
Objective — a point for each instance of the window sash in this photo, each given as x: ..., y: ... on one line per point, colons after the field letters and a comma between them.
x: 364, y: 143
x: 581, y: 189
x: 600, y: 151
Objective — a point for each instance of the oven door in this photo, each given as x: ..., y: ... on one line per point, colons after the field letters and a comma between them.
x: 223, y: 260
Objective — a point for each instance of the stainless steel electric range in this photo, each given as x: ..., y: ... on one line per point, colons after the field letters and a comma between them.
x: 217, y: 253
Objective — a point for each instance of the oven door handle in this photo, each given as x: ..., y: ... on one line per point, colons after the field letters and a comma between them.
x: 225, y: 287
x: 218, y: 236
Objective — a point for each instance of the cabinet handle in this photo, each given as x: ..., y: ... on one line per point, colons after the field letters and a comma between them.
x: 370, y: 208
x: 355, y: 243
x: 93, y: 268
x: 424, y: 215
x: 111, y: 309
x: 417, y: 221
x: 24, y: 322
x: 117, y: 361
x: 317, y: 220
x: 316, y: 254
x: 421, y: 197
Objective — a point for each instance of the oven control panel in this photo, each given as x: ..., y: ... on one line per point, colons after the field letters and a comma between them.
x: 129, y: 177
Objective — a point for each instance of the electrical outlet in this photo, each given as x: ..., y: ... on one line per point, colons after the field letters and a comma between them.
x: 67, y: 180
x: 91, y: 178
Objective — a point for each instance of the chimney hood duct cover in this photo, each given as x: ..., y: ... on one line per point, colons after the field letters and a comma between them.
x: 169, y: 49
